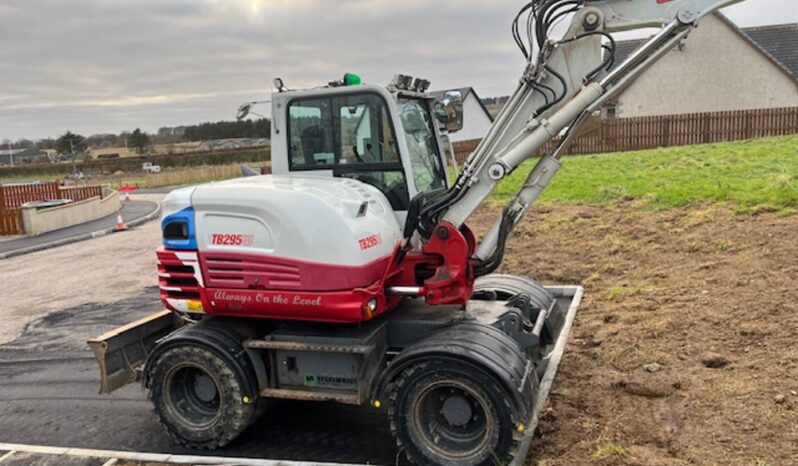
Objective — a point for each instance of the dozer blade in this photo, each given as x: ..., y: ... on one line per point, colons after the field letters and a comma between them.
x: 569, y: 298
x: 122, y: 352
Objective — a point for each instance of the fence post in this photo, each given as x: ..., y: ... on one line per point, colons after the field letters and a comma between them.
x: 666, y: 132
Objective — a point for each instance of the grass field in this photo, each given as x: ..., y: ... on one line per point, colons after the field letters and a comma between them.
x: 749, y: 176
x: 168, y: 177
x: 27, y: 179
x: 187, y: 176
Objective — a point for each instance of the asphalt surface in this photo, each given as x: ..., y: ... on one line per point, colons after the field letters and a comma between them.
x: 48, y: 396
x: 131, y: 211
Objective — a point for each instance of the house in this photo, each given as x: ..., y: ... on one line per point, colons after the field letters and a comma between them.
x: 110, y: 152
x: 719, y: 67
x: 476, y: 117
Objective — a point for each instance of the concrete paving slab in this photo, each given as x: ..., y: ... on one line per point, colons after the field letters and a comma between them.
x: 37, y: 459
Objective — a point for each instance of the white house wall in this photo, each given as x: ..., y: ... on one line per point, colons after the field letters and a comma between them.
x: 717, y: 70
x: 475, y: 121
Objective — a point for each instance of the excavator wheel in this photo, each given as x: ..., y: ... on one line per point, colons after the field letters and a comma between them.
x: 504, y: 287
x: 445, y: 412
x: 198, y: 398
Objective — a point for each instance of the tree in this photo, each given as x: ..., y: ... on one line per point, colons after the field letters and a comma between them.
x: 70, y: 143
x: 102, y: 140
x: 46, y: 143
x: 139, y: 140
x: 260, y: 128
x: 23, y: 144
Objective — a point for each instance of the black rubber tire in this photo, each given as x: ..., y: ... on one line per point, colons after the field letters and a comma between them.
x: 415, y: 385
x: 507, y: 286
x: 216, y: 430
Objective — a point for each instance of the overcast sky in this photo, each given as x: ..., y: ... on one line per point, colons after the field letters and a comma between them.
x: 94, y: 66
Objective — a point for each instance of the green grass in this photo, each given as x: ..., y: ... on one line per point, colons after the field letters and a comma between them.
x: 608, y: 450
x: 26, y: 179
x: 750, y: 176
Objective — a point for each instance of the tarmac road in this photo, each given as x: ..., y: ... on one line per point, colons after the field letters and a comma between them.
x: 48, y: 396
x: 101, y: 270
x: 132, y: 212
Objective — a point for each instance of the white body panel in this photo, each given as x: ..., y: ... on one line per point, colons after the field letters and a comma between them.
x: 293, y: 217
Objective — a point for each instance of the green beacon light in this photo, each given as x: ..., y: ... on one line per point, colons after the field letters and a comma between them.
x: 351, y: 79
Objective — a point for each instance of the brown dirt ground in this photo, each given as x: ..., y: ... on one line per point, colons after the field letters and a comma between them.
x: 709, y: 296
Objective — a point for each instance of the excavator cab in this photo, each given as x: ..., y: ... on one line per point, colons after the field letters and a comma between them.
x: 389, y: 138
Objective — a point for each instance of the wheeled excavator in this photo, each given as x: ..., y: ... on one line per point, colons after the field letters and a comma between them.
x: 349, y: 274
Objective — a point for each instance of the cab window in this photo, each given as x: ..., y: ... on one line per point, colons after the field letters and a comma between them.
x: 351, y: 135
x: 311, y: 133
x: 428, y: 170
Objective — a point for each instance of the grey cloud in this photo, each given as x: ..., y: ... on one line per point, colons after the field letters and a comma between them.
x: 108, y: 65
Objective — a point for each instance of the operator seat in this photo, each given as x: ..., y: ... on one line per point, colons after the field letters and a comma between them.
x: 312, y: 139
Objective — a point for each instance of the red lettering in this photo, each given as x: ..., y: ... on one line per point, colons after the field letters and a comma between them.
x: 369, y: 242
x: 232, y: 239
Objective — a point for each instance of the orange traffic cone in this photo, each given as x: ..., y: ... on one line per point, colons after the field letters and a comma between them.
x: 120, y: 224
x: 127, y: 196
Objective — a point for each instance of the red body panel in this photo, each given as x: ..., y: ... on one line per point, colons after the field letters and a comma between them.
x: 336, y: 306
x: 255, y: 286
x: 230, y: 270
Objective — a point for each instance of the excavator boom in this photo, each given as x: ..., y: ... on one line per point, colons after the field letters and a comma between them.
x: 565, y: 81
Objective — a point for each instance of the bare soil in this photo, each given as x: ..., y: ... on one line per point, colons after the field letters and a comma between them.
x: 684, y: 351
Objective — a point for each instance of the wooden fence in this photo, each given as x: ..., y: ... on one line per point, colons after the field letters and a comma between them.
x: 80, y: 193
x: 627, y: 134
x: 13, y: 196
x: 10, y: 221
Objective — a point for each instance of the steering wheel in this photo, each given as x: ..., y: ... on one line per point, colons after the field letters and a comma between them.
x: 357, y: 156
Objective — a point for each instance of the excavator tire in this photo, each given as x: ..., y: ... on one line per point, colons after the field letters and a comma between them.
x: 447, y: 413
x: 198, y: 398
x: 503, y: 287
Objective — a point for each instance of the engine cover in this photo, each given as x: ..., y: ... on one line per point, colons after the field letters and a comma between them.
x: 277, y: 246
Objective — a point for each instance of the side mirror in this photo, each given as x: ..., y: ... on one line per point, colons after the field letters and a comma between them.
x: 243, y: 111
x: 449, y: 111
